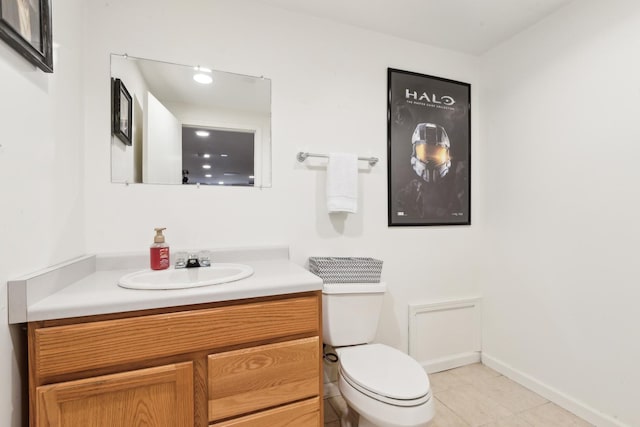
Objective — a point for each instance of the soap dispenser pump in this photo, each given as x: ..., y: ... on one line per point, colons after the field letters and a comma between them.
x: 159, y: 251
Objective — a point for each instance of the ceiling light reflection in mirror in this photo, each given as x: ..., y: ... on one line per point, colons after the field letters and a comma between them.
x: 180, y: 125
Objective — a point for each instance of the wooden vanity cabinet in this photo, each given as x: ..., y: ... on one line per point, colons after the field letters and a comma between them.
x: 254, y: 362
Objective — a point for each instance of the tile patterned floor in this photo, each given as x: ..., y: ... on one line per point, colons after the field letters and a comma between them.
x: 477, y: 396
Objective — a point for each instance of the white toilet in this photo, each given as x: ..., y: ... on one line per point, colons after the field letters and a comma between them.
x: 384, y: 386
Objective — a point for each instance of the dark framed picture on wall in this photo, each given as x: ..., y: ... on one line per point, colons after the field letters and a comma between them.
x: 26, y: 26
x: 120, y: 111
x: 428, y: 150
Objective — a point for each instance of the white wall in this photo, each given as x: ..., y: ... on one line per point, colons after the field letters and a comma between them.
x: 328, y: 93
x: 561, y: 144
x: 41, y: 174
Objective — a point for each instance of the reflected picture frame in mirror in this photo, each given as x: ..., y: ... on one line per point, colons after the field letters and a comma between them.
x: 121, y: 114
x: 169, y: 102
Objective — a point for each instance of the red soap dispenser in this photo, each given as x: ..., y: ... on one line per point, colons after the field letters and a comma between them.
x: 159, y: 251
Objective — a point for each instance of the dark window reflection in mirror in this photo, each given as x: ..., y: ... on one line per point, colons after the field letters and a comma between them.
x: 217, y: 156
x: 169, y: 104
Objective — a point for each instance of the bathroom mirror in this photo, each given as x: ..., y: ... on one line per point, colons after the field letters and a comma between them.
x: 191, y: 125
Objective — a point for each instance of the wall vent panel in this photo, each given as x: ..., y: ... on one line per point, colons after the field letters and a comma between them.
x: 445, y: 334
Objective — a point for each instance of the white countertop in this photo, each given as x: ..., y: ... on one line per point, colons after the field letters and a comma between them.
x: 97, y: 292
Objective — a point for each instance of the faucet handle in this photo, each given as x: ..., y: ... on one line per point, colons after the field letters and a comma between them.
x: 204, y: 257
x: 181, y: 260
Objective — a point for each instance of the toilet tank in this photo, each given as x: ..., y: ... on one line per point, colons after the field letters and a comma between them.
x: 350, y: 312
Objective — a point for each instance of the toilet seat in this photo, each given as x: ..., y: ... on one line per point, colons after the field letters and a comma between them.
x: 385, y: 374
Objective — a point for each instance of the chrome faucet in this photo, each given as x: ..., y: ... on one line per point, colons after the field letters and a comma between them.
x: 193, y: 260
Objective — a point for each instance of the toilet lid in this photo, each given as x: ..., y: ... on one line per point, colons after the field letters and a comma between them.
x: 385, y: 371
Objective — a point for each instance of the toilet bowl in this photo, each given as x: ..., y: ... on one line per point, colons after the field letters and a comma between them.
x: 382, y: 386
x: 386, y: 387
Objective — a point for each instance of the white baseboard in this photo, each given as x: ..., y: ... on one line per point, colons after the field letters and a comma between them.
x: 450, y: 362
x: 561, y: 399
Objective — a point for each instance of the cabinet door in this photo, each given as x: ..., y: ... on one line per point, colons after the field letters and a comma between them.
x: 160, y: 396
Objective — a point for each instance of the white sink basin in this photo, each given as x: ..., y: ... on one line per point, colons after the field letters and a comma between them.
x: 183, y: 278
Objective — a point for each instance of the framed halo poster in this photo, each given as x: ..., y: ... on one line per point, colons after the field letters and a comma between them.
x: 428, y: 150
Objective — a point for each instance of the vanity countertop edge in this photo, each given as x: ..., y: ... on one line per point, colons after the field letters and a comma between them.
x: 88, y: 285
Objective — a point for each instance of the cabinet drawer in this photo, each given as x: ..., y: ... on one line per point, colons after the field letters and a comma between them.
x: 248, y: 380
x: 299, y: 414
x: 74, y: 348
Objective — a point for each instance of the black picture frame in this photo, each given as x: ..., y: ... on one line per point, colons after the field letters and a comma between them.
x: 121, y: 114
x: 26, y: 26
x: 428, y: 150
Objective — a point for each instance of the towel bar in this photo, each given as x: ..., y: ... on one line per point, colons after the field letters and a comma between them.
x: 302, y: 156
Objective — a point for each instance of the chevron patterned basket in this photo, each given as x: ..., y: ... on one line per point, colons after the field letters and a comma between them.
x: 346, y: 269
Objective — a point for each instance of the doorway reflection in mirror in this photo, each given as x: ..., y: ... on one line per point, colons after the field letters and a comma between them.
x: 212, y: 156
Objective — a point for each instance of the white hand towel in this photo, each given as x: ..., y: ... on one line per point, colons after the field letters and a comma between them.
x: 342, y: 183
